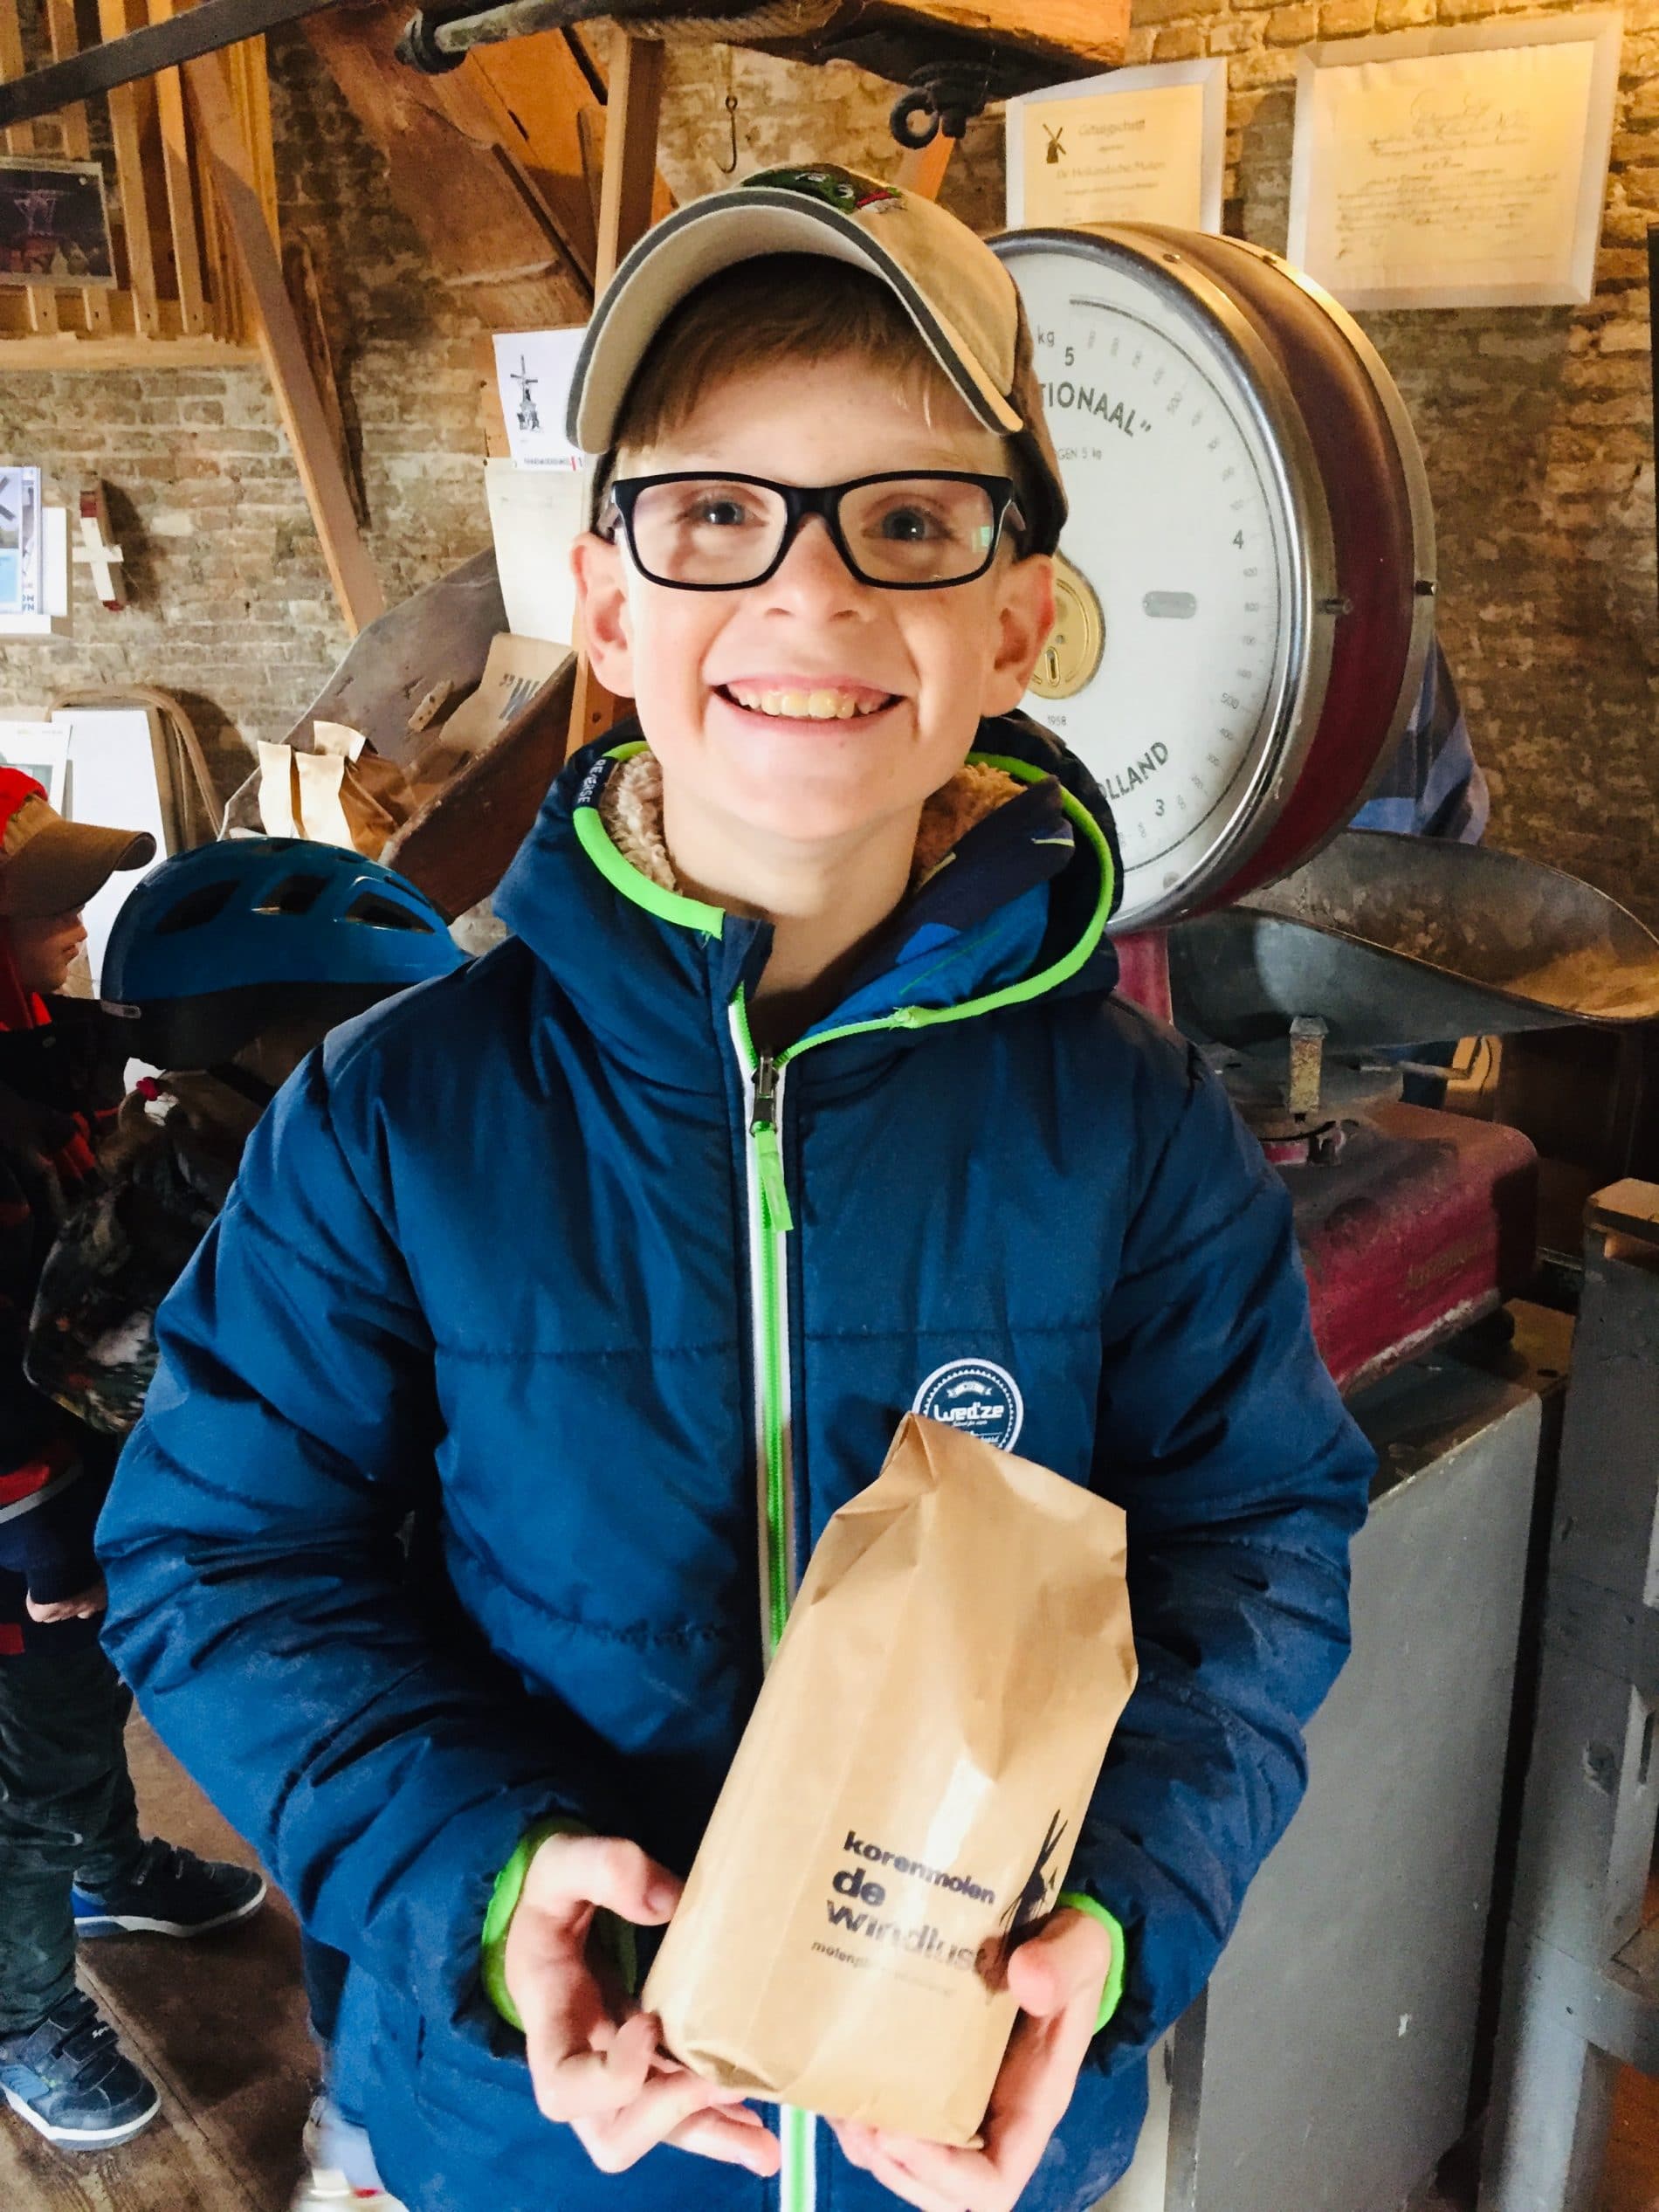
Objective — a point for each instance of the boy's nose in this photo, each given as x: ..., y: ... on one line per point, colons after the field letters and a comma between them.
x: 813, y: 570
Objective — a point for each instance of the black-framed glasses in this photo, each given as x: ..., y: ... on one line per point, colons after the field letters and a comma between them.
x: 905, y: 530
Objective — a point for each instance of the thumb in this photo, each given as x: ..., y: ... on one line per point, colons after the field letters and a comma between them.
x: 1069, y: 1957
x: 570, y: 1874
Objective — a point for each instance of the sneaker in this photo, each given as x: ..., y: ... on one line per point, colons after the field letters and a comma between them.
x: 172, y: 1893
x: 340, y: 2163
x: 71, y: 2081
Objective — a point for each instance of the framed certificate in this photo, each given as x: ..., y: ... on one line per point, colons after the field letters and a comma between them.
x: 1455, y: 169
x: 1139, y: 146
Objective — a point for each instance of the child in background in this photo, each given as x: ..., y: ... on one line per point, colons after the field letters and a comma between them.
x: 72, y: 1864
x: 799, y: 1099
x: 229, y: 963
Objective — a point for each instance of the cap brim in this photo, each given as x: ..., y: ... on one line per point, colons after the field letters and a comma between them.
x: 64, y: 864
x: 696, y: 243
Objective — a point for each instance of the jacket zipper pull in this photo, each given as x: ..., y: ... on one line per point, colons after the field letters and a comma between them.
x: 768, y: 1156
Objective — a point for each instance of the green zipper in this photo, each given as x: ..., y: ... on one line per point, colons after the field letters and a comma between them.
x: 776, y: 1220
x: 795, y: 2128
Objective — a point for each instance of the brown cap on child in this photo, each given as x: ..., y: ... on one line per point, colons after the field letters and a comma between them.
x: 958, y: 295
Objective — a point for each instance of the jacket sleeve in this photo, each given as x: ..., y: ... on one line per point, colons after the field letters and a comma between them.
x: 49, y: 1495
x: 1243, y: 1480
x: 258, y: 1605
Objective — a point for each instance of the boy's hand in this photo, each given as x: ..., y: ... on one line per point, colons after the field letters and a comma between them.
x: 1057, y: 1978
x: 594, y: 2056
x: 81, y: 1606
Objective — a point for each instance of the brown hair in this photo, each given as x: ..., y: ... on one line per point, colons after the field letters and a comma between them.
x: 780, y: 307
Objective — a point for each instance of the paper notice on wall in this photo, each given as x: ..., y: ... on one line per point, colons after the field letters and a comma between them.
x: 1455, y: 169
x: 536, y: 516
x: 21, y: 561
x: 533, y: 373
x: 1139, y: 145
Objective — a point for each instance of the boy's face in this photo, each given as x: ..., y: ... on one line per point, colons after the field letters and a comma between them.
x: 44, y: 946
x: 929, y: 663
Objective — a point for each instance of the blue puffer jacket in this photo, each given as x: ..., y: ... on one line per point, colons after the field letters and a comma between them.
x: 506, y: 1256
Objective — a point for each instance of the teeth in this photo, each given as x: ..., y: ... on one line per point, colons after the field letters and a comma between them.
x: 818, y: 706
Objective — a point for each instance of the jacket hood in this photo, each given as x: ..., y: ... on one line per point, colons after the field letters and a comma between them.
x: 1019, y: 912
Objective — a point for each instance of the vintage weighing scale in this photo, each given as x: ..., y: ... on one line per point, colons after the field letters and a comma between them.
x: 1247, y: 593
x: 1247, y: 601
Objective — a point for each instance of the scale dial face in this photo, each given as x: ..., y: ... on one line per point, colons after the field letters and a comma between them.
x: 1184, y: 532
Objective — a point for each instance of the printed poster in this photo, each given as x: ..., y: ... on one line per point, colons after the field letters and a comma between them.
x: 1139, y: 146
x: 1455, y: 169
x: 532, y: 372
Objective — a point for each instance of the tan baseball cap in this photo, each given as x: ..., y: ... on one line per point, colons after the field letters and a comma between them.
x: 958, y: 295
x: 51, y: 866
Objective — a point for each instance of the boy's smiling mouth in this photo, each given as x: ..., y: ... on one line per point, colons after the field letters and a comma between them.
x: 803, y: 698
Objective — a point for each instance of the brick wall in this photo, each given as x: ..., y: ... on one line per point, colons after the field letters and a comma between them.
x: 1534, y: 421
x: 232, y: 608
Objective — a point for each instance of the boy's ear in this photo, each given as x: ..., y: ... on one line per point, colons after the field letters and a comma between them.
x: 602, y: 612
x: 1024, y: 618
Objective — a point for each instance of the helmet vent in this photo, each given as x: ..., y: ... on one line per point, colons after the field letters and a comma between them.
x: 196, y: 907
x: 386, y: 913
x: 293, y: 895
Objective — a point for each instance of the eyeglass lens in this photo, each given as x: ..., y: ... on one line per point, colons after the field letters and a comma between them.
x: 721, y: 530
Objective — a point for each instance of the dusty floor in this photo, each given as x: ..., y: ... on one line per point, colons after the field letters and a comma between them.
x: 220, y: 2027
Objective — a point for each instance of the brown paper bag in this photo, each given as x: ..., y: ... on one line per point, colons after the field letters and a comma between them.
x: 906, y: 1796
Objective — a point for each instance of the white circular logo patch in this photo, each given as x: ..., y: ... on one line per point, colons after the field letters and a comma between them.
x: 976, y: 1396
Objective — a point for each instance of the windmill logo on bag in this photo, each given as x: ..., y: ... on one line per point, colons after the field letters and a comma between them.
x: 1036, y: 1894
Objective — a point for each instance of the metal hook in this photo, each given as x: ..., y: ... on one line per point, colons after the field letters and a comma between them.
x: 729, y: 168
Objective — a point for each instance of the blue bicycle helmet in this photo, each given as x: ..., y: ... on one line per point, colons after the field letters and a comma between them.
x: 218, y: 943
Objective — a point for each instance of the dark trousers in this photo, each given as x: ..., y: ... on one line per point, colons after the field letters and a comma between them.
x: 66, y: 1815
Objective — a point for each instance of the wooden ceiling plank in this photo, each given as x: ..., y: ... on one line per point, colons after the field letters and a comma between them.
x: 180, y: 197
x: 66, y: 41
x: 357, y: 589
x: 129, y: 174
x: 536, y: 89
x: 477, y: 206
x: 1093, y: 31
x: 21, y: 139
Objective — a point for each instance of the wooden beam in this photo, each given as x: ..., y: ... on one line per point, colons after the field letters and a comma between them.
x: 181, y: 196
x: 129, y: 173
x: 20, y: 139
x: 457, y: 165
x: 66, y: 41
x: 281, y: 345
x: 633, y: 114
x: 121, y: 349
x: 922, y: 169
x: 1081, y: 30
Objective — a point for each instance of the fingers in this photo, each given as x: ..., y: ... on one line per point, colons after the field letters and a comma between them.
x: 935, y: 2187
x: 571, y: 1875
x: 1068, y: 1957
x: 737, y: 2135
x: 81, y: 1606
x: 572, y: 2079
x: 667, y: 2102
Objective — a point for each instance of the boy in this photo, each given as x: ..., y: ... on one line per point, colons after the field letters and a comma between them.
x: 72, y: 1861
x: 798, y: 1100
x: 229, y: 963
